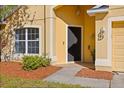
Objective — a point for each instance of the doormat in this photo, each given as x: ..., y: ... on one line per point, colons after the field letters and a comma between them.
x: 88, y: 73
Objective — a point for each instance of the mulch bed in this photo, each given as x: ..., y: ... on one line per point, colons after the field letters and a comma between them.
x: 15, y: 69
x: 88, y: 73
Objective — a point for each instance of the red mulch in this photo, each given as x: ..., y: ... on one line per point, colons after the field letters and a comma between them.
x: 15, y: 69
x: 85, y: 72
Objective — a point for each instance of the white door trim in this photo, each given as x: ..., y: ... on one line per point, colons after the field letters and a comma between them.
x: 66, y: 56
x: 109, y: 43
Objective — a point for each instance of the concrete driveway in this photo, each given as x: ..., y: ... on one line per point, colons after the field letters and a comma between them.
x: 118, y: 81
x: 67, y: 75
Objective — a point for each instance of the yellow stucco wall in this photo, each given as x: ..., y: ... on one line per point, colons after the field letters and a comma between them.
x: 67, y: 15
x: 36, y: 18
x: 37, y: 13
x: 89, y: 33
x: 60, y: 39
x: 102, y: 45
x: 64, y: 16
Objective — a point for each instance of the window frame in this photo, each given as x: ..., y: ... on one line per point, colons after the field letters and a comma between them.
x: 26, y: 41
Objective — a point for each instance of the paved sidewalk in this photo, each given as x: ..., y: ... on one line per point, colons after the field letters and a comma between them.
x: 118, y: 81
x: 67, y: 75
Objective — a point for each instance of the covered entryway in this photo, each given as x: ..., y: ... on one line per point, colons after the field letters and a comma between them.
x: 75, y: 33
x: 118, y: 45
x: 74, y: 43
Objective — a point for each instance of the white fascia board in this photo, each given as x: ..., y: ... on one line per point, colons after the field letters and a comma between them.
x: 90, y: 12
x: 97, y: 6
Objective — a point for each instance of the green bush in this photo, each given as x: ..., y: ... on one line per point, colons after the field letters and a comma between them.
x: 34, y: 62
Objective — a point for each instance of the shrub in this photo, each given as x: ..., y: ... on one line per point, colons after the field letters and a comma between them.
x: 45, y: 61
x: 34, y: 62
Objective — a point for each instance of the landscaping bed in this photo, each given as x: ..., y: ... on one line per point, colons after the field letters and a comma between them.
x: 88, y: 73
x: 15, y: 69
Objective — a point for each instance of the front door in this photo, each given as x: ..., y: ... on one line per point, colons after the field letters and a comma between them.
x: 74, y: 44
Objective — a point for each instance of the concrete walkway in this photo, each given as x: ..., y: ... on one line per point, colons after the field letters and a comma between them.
x: 118, y: 81
x: 67, y: 75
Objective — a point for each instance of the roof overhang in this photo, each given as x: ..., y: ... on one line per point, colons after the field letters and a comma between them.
x: 57, y: 7
x: 98, y: 9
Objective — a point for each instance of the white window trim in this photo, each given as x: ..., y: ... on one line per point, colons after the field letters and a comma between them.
x: 109, y: 43
x: 26, y: 40
x: 26, y: 43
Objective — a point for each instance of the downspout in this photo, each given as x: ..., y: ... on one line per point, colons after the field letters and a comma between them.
x: 44, y: 30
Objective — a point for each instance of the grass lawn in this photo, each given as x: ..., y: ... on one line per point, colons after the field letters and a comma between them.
x: 14, y: 82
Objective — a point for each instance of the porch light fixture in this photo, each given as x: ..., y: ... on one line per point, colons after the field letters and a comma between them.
x: 78, y: 11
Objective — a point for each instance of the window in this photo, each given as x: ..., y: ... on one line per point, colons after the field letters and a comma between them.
x: 27, y: 40
x: 20, y: 41
x: 33, y: 40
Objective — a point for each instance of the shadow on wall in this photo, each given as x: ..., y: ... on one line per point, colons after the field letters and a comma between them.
x: 70, y: 14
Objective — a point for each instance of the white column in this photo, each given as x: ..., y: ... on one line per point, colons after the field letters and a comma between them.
x: 51, y: 33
